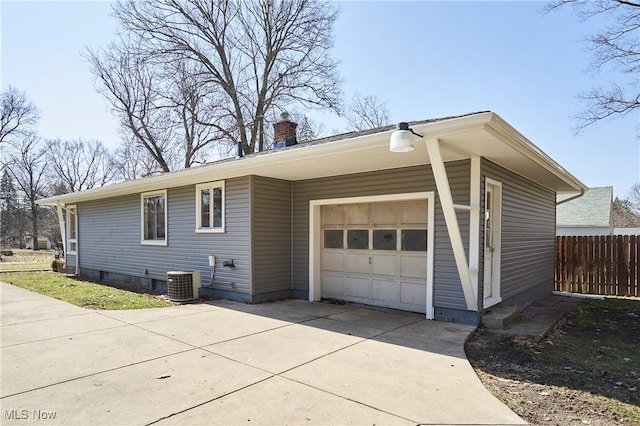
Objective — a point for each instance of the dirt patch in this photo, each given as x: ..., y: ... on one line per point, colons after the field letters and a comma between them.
x: 586, y: 371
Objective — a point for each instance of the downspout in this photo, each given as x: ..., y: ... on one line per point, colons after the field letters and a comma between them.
x: 582, y: 191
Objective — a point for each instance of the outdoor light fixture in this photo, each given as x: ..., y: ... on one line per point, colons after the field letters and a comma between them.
x: 402, y: 139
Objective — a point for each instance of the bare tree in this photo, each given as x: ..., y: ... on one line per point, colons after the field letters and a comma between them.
x: 616, y: 47
x: 17, y: 114
x: 256, y: 56
x: 26, y: 163
x: 80, y: 164
x: 366, y: 112
x: 131, y: 85
x: 194, y: 104
x: 634, y: 196
x: 134, y: 161
x: 308, y: 129
x: 163, y: 105
x: 13, y: 223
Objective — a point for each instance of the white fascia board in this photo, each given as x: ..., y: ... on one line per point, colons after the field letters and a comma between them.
x: 453, y: 126
x: 517, y: 141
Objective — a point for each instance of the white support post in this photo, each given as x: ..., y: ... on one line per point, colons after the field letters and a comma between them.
x: 448, y: 209
x: 63, y: 231
x: 315, y: 276
x: 474, y: 223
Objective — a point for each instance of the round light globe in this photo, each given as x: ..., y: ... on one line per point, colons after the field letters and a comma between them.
x: 401, y: 141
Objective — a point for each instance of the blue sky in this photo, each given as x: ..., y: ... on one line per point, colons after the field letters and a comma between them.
x: 424, y: 59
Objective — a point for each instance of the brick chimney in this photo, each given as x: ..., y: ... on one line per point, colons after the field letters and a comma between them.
x: 284, y: 132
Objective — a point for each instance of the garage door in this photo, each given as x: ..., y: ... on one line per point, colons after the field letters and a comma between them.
x: 376, y: 253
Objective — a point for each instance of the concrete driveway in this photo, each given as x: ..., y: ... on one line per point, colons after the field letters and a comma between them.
x: 289, y: 362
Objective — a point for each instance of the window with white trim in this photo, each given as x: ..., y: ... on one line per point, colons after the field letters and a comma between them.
x: 154, y: 217
x: 72, y: 230
x: 210, y: 206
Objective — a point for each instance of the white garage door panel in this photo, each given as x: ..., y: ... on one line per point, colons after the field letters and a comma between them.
x: 333, y: 285
x: 356, y: 263
x: 358, y: 287
x: 378, y: 272
x: 384, y: 264
x: 413, y: 266
x: 386, y: 291
x: 333, y: 215
x: 358, y: 214
x: 414, y: 212
x: 412, y: 293
x: 333, y: 261
x: 384, y: 214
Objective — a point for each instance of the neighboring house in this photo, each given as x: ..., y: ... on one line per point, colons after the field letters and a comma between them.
x: 589, y: 214
x: 463, y: 222
x: 626, y: 231
x: 43, y: 243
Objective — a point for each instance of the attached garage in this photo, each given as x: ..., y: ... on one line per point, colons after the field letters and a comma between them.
x: 376, y: 250
x: 349, y: 218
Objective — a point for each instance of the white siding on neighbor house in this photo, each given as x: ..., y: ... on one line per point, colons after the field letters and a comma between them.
x: 447, y: 287
x: 528, y: 232
x: 109, y: 238
x: 626, y: 231
x: 582, y: 231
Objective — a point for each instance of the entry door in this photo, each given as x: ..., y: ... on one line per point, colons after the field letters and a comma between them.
x: 376, y: 253
x: 492, y: 243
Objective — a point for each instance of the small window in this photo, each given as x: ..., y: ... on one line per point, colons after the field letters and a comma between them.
x: 72, y: 230
x: 210, y: 207
x: 385, y: 239
x: 358, y: 239
x: 414, y: 240
x: 154, y: 218
x: 333, y: 238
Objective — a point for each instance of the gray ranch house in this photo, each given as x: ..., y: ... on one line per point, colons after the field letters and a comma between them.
x: 462, y: 221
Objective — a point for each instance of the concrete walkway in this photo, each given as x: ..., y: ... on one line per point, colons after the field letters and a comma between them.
x: 290, y: 362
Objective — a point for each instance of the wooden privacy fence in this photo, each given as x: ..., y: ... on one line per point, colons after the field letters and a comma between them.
x: 603, y: 264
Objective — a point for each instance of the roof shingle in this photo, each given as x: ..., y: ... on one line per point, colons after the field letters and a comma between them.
x: 592, y: 209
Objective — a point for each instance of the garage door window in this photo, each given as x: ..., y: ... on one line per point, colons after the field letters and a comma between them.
x: 414, y: 240
x: 385, y: 239
x: 333, y: 238
x: 358, y: 239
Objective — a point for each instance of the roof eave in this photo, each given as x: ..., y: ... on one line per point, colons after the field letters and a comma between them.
x: 516, y: 140
x: 370, y: 141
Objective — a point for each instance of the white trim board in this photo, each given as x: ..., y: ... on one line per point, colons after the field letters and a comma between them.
x: 495, y: 297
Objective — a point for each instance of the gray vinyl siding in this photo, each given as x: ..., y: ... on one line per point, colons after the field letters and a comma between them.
x: 448, y: 290
x: 528, y: 232
x: 70, y: 262
x: 109, y: 238
x: 271, y: 234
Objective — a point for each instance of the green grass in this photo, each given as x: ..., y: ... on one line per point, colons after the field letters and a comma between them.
x: 25, y: 266
x: 81, y: 293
